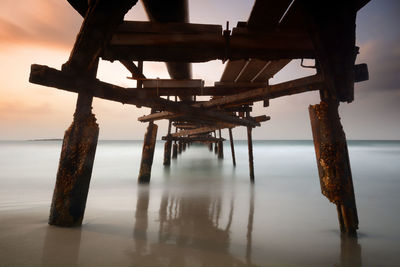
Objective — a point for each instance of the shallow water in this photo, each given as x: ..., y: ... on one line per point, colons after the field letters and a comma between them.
x: 201, y: 211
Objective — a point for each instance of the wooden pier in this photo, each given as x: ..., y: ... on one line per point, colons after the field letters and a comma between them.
x: 276, y: 32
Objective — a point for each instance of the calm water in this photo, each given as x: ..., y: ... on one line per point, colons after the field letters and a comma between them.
x: 201, y: 211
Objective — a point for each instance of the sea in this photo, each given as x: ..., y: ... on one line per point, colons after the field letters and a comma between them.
x: 201, y: 210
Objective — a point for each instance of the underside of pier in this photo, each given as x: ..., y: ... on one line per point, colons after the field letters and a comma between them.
x: 276, y: 32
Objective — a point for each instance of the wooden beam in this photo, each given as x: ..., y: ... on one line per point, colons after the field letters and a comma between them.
x: 331, y: 26
x: 44, y: 75
x: 310, y: 83
x: 194, y: 47
x: 101, y: 20
x: 200, y: 130
x: 168, y: 83
x: 134, y: 70
x: 217, y: 126
x: 168, y: 28
x: 193, y: 139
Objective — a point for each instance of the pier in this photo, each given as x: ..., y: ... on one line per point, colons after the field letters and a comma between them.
x: 255, y: 50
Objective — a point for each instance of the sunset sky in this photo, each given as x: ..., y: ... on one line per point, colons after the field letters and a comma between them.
x: 43, y: 32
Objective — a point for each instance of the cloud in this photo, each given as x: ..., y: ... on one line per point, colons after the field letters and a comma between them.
x: 41, y: 22
x: 10, y: 109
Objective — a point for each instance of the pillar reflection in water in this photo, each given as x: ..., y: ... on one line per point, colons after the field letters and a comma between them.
x: 193, y: 229
x: 350, y: 252
x: 61, y: 246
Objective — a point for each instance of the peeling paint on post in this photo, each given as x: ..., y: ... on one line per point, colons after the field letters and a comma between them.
x: 333, y: 163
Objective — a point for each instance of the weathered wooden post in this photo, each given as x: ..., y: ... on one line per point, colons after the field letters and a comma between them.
x: 216, y: 144
x: 220, y: 146
x: 210, y: 146
x: 167, y: 147
x: 148, y: 153
x: 250, y: 147
x: 232, y: 146
x: 75, y: 166
x: 80, y: 140
x: 333, y: 162
x: 180, y: 147
x: 183, y: 146
x: 175, y: 150
x: 331, y: 27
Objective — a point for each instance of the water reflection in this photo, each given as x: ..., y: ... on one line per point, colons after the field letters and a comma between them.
x: 61, y: 246
x: 190, y: 231
x: 350, y: 252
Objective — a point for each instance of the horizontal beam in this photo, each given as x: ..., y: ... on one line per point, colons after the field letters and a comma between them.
x: 168, y: 83
x: 183, y: 45
x: 46, y: 76
x: 310, y: 83
x: 194, y: 139
x: 207, y: 129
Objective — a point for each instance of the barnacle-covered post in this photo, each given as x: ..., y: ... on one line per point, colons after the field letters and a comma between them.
x: 333, y: 163
x: 80, y: 140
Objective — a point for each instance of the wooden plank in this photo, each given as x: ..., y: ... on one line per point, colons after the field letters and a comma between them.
x: 266, y: 14
x: 270, y: 70
x: 232, y: 70
x: 251, y: 70
x: 168, y: 83
x: 168, y: 28
x: 44, y: 75
x: 193, y: 139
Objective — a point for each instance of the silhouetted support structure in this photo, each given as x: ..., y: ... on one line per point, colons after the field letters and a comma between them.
x: 220, y: 146
x: 175, y: 150
x: 275, y: 33
x: 250, y: 147
x: 210, y: 147
x: 75, y: 167
x: 167, y: 148
x: 180, y: 147
x: 333, y: 163
x: 149, y: 145
x: 232, y: 147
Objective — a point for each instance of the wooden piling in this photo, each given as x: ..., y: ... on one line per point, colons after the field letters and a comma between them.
x: 216, y: 144
x: 250, y: 147
x: 210, y: 146
x: 175, y: 151
x: 75, y: 166
x: 148, y: 153
x: 167, y: 147
x: 180, y: 147
x: 333, y: 163
x: 232, y: 146
x: 220, y: 146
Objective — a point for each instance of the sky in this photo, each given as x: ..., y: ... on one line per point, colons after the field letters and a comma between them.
x: 43, y: 32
